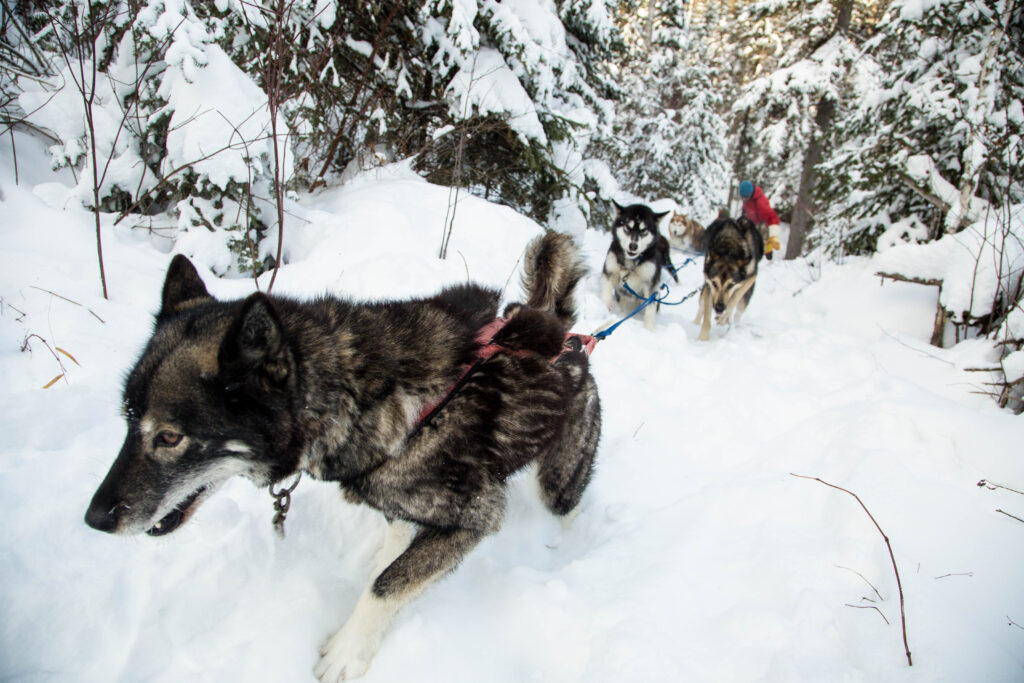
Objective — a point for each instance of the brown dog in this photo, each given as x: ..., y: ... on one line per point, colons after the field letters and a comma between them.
x: 685, y: 233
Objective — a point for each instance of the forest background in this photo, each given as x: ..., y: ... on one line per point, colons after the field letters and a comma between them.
x: 869, y: 124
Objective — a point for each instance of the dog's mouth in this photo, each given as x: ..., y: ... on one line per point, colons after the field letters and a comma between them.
x: 176, y: 517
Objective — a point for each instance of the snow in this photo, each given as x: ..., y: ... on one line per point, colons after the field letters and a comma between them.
x: 487, y: 85
x: 220, y: 122
x: 975, y: 265
x: 696, y: 555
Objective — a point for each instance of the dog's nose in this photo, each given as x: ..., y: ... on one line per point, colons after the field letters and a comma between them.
x: 103, y: 516
x: 719, y: 307
x: 632, y: 246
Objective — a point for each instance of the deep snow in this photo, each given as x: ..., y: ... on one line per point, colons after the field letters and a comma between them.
x: 696, y: 556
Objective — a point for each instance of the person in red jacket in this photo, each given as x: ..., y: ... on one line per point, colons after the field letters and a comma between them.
x: 761, y: 214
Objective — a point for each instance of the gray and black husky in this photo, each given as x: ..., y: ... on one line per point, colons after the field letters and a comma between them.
x: 267, y: 387
x: 732, y: 250
x: 636, y: 256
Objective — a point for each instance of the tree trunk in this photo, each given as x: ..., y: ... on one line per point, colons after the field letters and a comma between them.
x: 976, y: 150
x: 652, y: 8
x: 802, y: 207
x: 822, y: 123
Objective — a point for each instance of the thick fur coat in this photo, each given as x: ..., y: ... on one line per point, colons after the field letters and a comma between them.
x: 732, y: 250
x: 635, y: 258
x: 268, y: 386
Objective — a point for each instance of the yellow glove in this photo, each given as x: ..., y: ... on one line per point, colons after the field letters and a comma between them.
x: 771, y: 244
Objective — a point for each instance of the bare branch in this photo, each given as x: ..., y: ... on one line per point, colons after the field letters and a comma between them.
x: 869, y: 607
x: 899, y: 584
x: 1009, y: 515
x: 861, y: 576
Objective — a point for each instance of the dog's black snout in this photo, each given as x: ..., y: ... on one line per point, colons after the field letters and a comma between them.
x: 632, y: 246
x: 719, y: 307
x: 103, y: 516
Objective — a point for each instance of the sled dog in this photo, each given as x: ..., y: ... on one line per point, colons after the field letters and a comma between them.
x: 732, y: 249
x: 635, y: 257
x: 357, y: 393
x: 685, y: 233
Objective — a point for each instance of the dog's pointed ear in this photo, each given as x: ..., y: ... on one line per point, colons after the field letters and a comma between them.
x: 255, y: 346
x: 182, y: 287
x: 659, y: 216
x: 618, y: 207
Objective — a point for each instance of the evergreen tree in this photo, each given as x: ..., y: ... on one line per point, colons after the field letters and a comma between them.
x: 941, y: 120
x: 806, y: 58
x: 669, y: 136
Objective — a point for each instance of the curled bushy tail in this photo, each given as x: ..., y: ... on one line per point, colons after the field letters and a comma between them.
x: 551, y: 271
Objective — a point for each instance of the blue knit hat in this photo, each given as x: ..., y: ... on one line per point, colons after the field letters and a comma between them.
x: 746, y: 189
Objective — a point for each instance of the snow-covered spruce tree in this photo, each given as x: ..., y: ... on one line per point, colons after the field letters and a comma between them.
x: 525, y: 93
x: 355, y: 75
x: 936, y: 139
x: 669, y: 139
x: 169, y: 123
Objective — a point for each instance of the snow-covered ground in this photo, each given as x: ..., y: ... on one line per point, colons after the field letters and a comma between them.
x: 696, y: 556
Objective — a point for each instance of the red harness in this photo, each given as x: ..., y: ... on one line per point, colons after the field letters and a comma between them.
x: 485, y: 337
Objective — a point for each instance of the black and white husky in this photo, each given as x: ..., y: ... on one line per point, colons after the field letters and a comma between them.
x: 636, y: 256
x: 358, y: 394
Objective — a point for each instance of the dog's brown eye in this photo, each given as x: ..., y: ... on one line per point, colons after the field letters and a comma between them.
x: 167, y: 438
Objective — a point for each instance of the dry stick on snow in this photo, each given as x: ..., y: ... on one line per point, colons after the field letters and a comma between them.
x: 1009, y: 515
x: 923, y: 353
x: 26, y: 346
x: 899, y: 584
x: 868, y: 607
x: 70, y: 301
x: 992, y: 485
x: 861, y: 576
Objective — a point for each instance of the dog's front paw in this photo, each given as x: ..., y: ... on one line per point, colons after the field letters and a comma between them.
x: 346, y: 655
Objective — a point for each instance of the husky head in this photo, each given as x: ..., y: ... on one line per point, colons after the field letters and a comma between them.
x: 635, y: 228
x: 207, y: 400
x: 732, y: 249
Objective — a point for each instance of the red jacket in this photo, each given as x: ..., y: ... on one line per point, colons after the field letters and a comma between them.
x: 758, y: 210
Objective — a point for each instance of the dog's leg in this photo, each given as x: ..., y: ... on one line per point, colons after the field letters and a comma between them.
x: 650, y: 314
x: 609, y: 277
x: 705, y: 314
x: 433, y: 553
x: 607, y: 286
x: 397, y: 538
x: 730, y: 307
x: 741, y: 307
x: 564, y: 471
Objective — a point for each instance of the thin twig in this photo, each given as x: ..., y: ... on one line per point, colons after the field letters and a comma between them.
x: 991, y: 485
x: 1013, y: 623
x: 63, y: 371
x: 865, y: 580
x: 868, y: 607
x: 899, y: 584
x: 70, y: 301
x: 21, y: 313
x: 1009, y: 515
x: 923, y: 353
x: 465, y: 264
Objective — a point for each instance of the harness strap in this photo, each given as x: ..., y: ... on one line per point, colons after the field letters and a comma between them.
x: 574, y: 342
